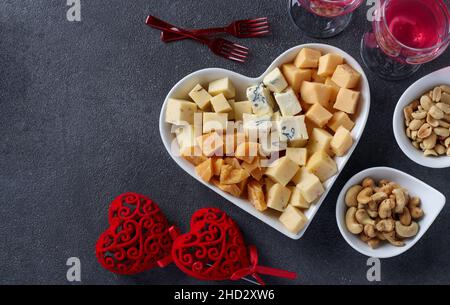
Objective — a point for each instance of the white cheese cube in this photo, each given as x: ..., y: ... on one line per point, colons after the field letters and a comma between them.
x: 220, y: 104
x: 214, y: 121
x: 293, y: 219
x: 240, y: 108
x: 224, y: 86
x: 180, y: 112
x: 275, y: 81
x: 201, y: 97
x: 342, y: 141
x: 282, y: 170
x: 232, y: 102
x: 288, y: 102
x: 297, y: 199
x: 298, y: 155
x: 278, y: 197
x: 257, y: 124
x: 261, y: 99
x: 320, y: 139
x: 321, y: 165
x: 292, y: 128
x: 186, y: 136
x: 271, y: 143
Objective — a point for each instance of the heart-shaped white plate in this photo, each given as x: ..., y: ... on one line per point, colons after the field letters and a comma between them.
x: 181, y: 89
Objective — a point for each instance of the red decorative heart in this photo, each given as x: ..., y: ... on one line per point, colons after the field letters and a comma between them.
x: 138, y: 238
x: 214, y: 249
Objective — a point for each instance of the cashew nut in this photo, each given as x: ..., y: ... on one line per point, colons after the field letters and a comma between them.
x: 364, y: 196
x: 350, y: 196
x: 350, y: 221
x: 368, y: 182
x: 406, y: 231
x: 405, y: 217
x: 401, y: 199
x: 414, y: 209
x: 385, y: 208
x: 369, y: 230
x: 373, y: 243
x: 390, y: 237
x: 363, y: 218
x: 373, y: 214
x: 385, y: 225
x: 379, y: 196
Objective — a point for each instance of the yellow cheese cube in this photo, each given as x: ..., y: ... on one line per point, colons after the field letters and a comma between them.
x: 321, y: 165
x: 346, y: 77
x: 342, y: 141
x: 247, y: 151
x: 316, y: 77
x: 240, y: 108
x: 334, y: 89
x: 297, y: 199
x: 211, y: 144
x: 347, y: 100
x: 295, y: 76
x: 180, y: 112
x: 282, y: 170
x: 298, y: 155
x: 307, y: 58
x: 214, y: 121
x: 220, y: 104
x: 200, y: 96
x: 293, y: 219
x: 309, y: 184
x: 224, y: 86
x: 318, y: 115
x: 340, y: 118
x: 278, y: 197
x: 320, y: 140
x: 328, y: 63
x: 275, y: 81
x: 315, y: 93
x: 186, y: 136
x: 232, y: 102
x: 268, y: 184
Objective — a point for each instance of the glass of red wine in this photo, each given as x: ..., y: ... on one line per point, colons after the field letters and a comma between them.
x: 322, y: 18
x: 406, y: 34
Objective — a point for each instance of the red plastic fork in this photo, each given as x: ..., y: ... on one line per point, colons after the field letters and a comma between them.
x: 218, y: 46
x: 241, y: 28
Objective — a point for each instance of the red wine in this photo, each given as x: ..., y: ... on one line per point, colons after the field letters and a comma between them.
x: 416, y: 23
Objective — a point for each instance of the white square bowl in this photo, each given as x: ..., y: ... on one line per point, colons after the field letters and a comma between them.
x: 432, y: 202
x: 440, y: 77
x: 241, y: 82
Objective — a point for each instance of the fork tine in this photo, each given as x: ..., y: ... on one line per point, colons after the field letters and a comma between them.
x: 236, y: 47
x: 255, y: 34
x: 229, y: 56
x: 235, y: 54
x: 253, y: 20
x: 234, y: 50
x: 258, y: 29
x: 254, y: 25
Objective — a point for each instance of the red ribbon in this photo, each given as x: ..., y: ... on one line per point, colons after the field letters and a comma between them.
x: 255, y: 270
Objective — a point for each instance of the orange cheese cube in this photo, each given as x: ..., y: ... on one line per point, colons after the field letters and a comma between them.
x: 347, y: 100
x: 318, y: 115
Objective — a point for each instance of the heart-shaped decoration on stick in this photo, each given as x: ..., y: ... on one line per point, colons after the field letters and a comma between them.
x: 214, y: 249
x: 138, y: 238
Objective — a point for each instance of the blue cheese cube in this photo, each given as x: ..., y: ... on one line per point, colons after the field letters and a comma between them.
x: 261, y: 99
x: 275, y: 81
x: 288, y: 102
x: 292, y: 129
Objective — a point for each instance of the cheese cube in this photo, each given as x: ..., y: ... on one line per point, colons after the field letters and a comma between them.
x: 260, y: 98
x: 292, y: 128
x: 347, y: 100
x: 255, y: 125
x: 271, y: 143
x: 278, y: 197
x: 211, y: 144
x: 297, y: 199
x: 214, y: 121
x: 276, y: 116
x: 320, y: 139
x: 342, y: 141
x: 321, y: 165
x: 298, y: 155
x: 201, y: 97
x: 268, y: 185
x: 185, y: 136
x: 307, y: 58
x: 220, y: 104
x: 315, y: 93
x: 180, y: 112
x: 240, y: 108
x: 224, y: 86
x: 328, y: 63
x: 340, y: 118
x: 282, y: 170
x: 334, y: 89
x: 288, y: 102
x: 275, y: 81
x: 295, y: 76
x: 318, y: 115
x: 293, y: 219
x: 316, y: 77
x: 310, y: 186
x: 232, y: 102
x: 346, y: 77
x: 247, y: 151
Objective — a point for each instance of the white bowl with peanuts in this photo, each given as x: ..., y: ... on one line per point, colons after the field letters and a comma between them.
x: 421, y: 120
x: 382, y: 212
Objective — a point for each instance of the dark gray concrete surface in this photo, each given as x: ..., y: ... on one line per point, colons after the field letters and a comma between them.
x: 79, y: 106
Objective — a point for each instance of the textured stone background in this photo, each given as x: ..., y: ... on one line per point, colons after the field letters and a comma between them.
x: 79, y: 106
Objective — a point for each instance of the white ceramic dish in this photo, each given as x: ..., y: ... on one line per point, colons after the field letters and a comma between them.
x: 432, y: 202
x: 440, y: 77
x: 241, y: 83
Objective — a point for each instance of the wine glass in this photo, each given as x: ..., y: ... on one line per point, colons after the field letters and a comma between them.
x: 406, y: 34
x: 322, y: 18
